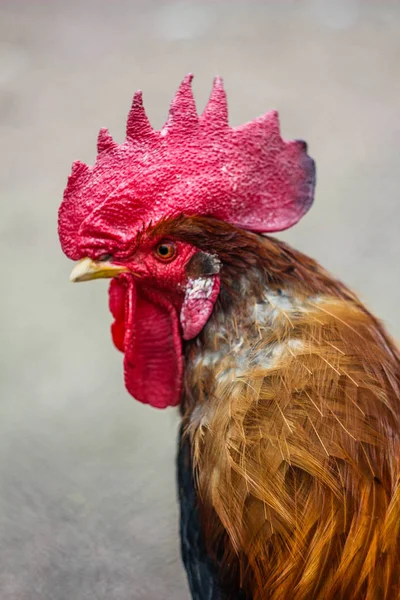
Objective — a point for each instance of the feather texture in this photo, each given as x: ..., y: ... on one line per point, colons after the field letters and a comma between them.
x: 291, y: 407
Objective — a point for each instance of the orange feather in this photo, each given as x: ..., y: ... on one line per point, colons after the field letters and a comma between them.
x: 291, y: 403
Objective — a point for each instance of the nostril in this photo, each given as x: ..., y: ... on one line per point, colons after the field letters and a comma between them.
x: 104, y: 257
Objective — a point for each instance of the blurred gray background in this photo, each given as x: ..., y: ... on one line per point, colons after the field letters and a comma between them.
x: 87, y: 494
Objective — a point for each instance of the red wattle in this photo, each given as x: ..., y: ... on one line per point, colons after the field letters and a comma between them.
x: 147, y: 331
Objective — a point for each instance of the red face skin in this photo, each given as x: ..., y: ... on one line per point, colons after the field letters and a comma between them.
x: 155, y: 304
x: 162, y: 274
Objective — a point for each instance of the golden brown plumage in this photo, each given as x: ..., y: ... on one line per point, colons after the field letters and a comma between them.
x: 291, y: 405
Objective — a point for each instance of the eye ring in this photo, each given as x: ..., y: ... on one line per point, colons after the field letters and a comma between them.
x: 165, y: 251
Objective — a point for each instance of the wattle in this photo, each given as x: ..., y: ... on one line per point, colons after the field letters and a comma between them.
x: 147, y: 330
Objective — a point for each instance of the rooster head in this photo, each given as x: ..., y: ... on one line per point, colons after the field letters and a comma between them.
x: 114, y: 215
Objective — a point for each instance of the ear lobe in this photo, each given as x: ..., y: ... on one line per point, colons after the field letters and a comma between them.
x: 201, y: 294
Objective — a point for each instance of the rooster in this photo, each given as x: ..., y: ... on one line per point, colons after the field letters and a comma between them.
x: 288, y: 387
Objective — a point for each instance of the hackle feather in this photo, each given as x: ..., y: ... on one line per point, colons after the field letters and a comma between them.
x: 291, y: 404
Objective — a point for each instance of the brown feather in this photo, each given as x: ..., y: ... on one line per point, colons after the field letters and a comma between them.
x: 292, y: 405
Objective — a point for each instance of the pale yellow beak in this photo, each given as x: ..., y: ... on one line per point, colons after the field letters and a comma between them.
x: 88, y: 269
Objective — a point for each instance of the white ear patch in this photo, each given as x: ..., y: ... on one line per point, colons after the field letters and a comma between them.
x: 200, y: 287
x: 201, y: 294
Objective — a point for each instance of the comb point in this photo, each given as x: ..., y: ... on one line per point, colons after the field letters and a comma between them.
x: 105, y: 143
x: 78, y: 169
x: 215, y: 113
x: 182, y: 113
x: 138, y: 124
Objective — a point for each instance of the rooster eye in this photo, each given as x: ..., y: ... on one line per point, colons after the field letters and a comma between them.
x: 165, y: 251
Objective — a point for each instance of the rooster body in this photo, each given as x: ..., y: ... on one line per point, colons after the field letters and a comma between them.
x: 291, y: 412
x: 289, y: 389
x: 291, y: 425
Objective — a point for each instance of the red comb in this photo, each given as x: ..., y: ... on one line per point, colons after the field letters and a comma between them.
x: 247, y: 176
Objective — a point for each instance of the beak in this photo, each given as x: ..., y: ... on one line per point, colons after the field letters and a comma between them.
x: 87, y: 269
